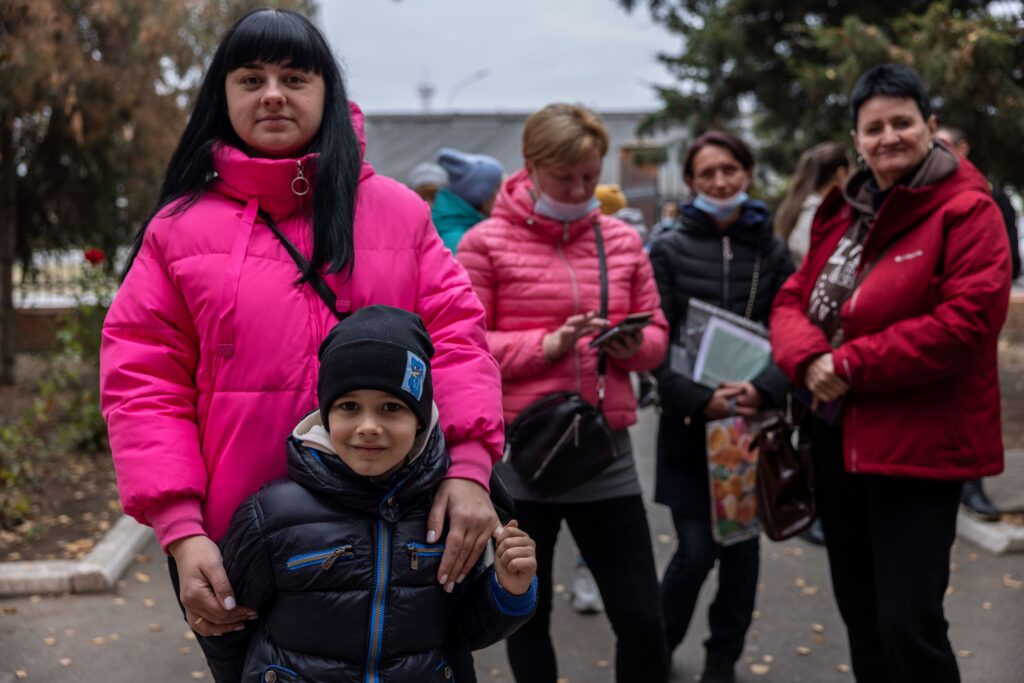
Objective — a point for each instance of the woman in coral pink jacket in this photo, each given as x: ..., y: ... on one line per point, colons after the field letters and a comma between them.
x: 209, y: 354
x: 891, y: 325
x: 534, y: 265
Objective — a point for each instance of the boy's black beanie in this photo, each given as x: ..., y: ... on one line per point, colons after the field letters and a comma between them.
x: 378, y: 347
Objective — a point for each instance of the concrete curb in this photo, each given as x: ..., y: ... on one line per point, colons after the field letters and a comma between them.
x: 95, y: 573
x: 998, y: 538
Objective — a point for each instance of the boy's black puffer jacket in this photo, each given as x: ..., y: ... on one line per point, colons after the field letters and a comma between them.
x: 697, y: 259
x: 346, y: 588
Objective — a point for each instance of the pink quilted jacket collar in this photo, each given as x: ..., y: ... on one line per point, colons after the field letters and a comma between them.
x: 515, y: 205
x: 242, y: 177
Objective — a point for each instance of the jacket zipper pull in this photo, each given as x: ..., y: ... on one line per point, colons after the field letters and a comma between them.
x: 414, y: 558
x: 329, y: 562
x: 576, y: 431
x: 726, y: 249
x: 300, y: 185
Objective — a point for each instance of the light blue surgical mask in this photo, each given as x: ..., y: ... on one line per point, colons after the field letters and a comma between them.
x: 564, y: 212
x: 720, y: 209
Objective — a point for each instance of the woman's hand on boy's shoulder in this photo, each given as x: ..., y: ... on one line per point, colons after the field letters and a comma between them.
x: 471, y: 521
x: 515, y: 559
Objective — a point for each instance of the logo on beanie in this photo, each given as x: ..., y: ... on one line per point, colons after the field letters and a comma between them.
x: 415, y: 370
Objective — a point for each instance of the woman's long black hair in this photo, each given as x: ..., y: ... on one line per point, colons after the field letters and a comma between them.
x: 276, y: 37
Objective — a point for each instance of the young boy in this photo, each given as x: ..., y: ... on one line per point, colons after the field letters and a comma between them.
x: 333, y: 558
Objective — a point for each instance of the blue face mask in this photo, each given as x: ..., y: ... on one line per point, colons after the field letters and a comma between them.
x: 720, y: 209
x: 563, y: 212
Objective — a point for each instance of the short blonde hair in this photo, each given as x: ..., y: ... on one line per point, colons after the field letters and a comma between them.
x: 561, y: 134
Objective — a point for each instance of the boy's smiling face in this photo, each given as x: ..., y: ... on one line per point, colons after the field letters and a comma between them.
x: 372, y: 431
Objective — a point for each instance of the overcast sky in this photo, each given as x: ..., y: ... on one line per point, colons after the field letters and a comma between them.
x: 534, y: 52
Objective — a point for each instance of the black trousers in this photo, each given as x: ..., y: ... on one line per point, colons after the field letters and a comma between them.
x: 615, y: 541
x: 888, y: 541
x: 732, y: 610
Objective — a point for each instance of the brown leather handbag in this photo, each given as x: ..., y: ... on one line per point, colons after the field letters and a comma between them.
x: 785, y: 480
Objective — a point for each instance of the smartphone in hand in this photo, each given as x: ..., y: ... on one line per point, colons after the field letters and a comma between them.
x: 631, y: 323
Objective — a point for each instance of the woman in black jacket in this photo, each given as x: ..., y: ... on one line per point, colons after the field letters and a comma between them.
x: 722, y: 251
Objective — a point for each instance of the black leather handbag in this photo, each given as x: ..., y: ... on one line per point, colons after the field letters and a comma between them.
x: 560, y: 440
x: 785, y: 480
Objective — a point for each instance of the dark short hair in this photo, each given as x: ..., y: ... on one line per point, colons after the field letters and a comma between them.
x: 890, y: 80
x: 730, y: 143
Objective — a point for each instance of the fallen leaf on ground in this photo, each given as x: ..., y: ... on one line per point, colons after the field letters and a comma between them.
x: 817, y: 628
x: 184, y: 650
x: 964, y: 653
x: 69, y: 632
x: 198, y: 674
x: 154, y: 628
x: 800, y: 582
x: 143, y: 559
x: 65, y: 661
x: 950, y: 590
x: 809, y: 590
x: 756, y: 614
x: 141, y: 577
x: 494, y: 673
x: 1011, y: 582
x: 768, y: 659
x: 20, y: 673
x: 50, y: 641
x: 559, y: 588
x: 113, y: 637
x: 986, y: 605
x: 99, y: 640
x: 149, y: 602
x: 803, y: 650
x: 189, y: 635
x: 972, y: 557
x: 603, y: 663
x: 38, y: 598
x: 119, y: 601
x: 759, y: 669
x: 8, y: 610
x: 843, y: 668
x: 664, y: 538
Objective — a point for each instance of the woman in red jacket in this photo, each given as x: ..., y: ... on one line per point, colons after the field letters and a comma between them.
x: 534, y: 265
x: 891, y: 326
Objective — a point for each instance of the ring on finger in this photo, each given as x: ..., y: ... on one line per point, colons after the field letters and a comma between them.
x: 198, y: 620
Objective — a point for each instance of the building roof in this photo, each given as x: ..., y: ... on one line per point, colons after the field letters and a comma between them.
x: 397, y: 142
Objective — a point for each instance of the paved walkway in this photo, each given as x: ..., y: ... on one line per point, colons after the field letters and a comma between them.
x: 137, y: 633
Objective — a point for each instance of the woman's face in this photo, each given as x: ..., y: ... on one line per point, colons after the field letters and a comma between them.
x: 717, y: 173
x: 571, y: 184
x: 275, y: 109
x: 892, y: 136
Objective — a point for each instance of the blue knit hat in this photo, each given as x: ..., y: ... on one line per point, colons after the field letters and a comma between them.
x: 473, y: 177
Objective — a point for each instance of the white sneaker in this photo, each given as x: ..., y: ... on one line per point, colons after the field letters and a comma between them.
x: 586, y: 599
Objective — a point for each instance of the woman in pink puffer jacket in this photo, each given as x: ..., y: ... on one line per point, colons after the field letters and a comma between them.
x: 209, y: 352
x: 534, y: 265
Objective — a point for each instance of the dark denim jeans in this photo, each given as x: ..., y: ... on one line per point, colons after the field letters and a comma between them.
x: 615, y: 541
x: 732, y: 610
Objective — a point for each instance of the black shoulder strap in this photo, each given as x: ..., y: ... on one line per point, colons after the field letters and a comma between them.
x: 316, y: 281
x: 602, y: 361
